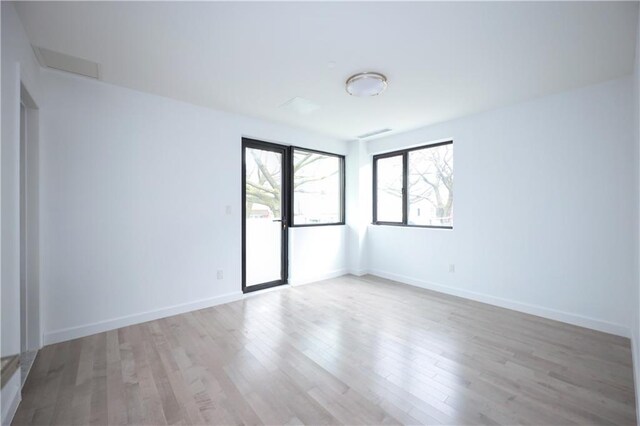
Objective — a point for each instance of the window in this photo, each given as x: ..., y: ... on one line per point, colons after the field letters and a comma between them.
x: 389, y: 183
x: 414, y: 187
x: 318, y: 188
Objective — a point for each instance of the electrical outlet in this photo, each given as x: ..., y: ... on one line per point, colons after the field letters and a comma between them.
x: 452, y: 268
x: 227, y: 210
x: 220, y: 274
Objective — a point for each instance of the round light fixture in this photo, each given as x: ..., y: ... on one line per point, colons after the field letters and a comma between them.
x: 366, y: 84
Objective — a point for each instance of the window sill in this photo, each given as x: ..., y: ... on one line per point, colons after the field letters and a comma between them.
x: 402, y: 225
x: 310, y: 225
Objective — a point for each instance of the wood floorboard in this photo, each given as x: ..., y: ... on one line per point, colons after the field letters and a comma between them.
x: 351, y: 350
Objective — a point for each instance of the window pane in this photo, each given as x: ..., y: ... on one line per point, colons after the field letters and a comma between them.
x: 389, y: 189
x: 430, y: 182
x: 263, y: 240
x: 317, y: 194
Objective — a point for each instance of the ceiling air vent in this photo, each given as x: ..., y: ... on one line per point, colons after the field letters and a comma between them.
x: 60, y: 61
x: 300, y: 106
x: 374, y: 133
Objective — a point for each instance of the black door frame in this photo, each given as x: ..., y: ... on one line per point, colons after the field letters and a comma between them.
x: 285, y: 197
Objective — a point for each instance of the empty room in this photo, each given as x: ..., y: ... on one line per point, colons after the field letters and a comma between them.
x: 337, y: 213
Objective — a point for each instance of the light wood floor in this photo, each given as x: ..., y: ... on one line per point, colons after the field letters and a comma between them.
x: 349, y: 350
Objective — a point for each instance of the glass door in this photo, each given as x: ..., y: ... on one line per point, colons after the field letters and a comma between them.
x: 264, y: 221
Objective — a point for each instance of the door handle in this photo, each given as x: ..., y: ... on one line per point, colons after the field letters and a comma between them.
x: 284, y: 222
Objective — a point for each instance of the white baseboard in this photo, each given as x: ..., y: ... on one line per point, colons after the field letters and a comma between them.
x: 358, y: 272
x: 112, y: 324
x: 295, y: 281
x: 567, y: 317
x: 266, y: 290
x: 10, y: 402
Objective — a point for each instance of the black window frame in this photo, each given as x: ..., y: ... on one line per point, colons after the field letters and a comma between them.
x: 405, y: 178
x: 341, y: 159
x: 285, y: 193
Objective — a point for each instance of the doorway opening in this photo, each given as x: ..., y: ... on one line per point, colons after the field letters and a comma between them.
x: 30, y: 332
x: 265, y: 205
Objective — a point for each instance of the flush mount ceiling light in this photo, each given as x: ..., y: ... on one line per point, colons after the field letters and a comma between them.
x: 366, y: 84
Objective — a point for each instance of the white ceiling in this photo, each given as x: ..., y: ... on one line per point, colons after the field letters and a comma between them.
x: 442, y: 60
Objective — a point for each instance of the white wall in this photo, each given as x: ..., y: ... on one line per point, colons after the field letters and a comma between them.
x: 18, y: 65
x: 544, y: 209
x: 134, y: 189
x: 316, y: 253
x: 358, y: 182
